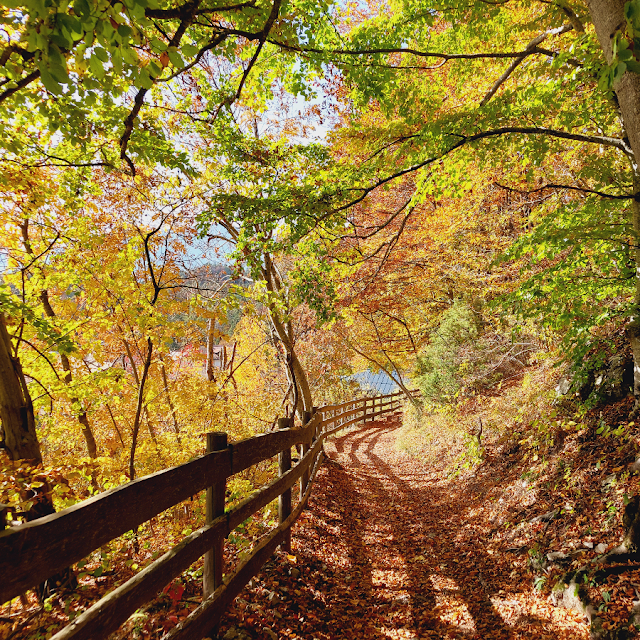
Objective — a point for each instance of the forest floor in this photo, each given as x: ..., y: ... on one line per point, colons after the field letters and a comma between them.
x: 392, y: 548
x: 436, y: 544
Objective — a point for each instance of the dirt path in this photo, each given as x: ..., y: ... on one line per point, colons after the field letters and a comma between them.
x: 388, y: 549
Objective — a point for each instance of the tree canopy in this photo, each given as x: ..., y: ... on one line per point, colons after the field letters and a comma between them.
x: 466, y: 151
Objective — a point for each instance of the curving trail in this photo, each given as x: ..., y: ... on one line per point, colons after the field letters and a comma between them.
x: 389, y: 549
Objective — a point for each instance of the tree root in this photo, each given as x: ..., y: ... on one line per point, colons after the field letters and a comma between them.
x: 570, y: 591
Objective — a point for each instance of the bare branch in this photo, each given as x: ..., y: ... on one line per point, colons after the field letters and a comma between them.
x: 42, y: 355
x: 415, y: 52
x: 530, y: 50
x: 602, y: 194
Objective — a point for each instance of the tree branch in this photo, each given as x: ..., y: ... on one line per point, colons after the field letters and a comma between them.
x: 273, y: 15
x: 491, y: 133
x: 128, y: 128
x: 602, y: 194
x: 421, y: 54
x: 42, y: 355
x: 12, y: 48
x: 178, y: 12
x: 187, y: 15
x: 19, y: 85
x: 530, y: 50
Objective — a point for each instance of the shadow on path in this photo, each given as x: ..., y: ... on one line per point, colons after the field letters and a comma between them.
x: 422, y: 524
x: 389, y: 549
x: 424, y: 572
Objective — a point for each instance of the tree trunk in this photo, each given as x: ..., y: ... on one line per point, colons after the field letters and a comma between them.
x: 92, y: 449
x: 172, y: 408
x: 19, y: 437
x: 139, y: 407
x: 608, y: 18
x: 301, y: 381
x: 285, y: 333
x: 210, y: 335
x: 115, y: 425
x: 145, y: 411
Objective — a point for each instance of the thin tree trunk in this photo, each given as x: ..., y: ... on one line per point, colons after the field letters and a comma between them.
x: 115, y: 424
x: 19, y: 437
x: 210, y: 336
x: 145, y: 411
x: 92, y: 448
x: 87, y: 432
x: 172, y: 409
x: 139, y: 407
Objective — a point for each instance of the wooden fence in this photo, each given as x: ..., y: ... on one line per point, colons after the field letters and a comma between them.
x: 34, y: 551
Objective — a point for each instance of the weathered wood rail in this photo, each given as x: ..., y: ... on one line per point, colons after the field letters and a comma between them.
x: 34, y: 551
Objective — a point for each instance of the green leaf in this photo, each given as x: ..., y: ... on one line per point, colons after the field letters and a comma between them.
x: 129, y: 55
x: 621, y: 68
x: 97, y: 67
x: 154, y: 69
x: 48, y: 81
x: 82, y: 8
x: 72, y: 25
x: 101, y: 54
x: 145, y: 80
x: 58, y: 65
x: 158, y: 45
x: 176, y: 59
x: 189, y: 50
x: 625, y: 54
x: 633, y: 66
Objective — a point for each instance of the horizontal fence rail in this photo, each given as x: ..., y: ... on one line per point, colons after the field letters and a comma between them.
x: 34, y: 551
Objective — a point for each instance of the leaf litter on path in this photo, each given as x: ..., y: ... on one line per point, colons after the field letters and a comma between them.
x: 391, y: 548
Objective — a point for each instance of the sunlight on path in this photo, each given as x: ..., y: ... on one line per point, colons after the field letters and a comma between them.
x: 410, y: 546
x: 389, y: 548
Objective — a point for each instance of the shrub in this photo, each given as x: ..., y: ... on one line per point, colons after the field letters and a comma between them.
x: 465, y: 356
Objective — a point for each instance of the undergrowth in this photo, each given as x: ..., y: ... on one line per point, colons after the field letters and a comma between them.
x: 554, y: 476
x: 510, y: 411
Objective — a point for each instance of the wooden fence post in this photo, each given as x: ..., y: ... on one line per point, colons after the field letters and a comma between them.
x: 213, y: 559
x: 307, y: 416
x: 284, y: 501
x: 317, y: 431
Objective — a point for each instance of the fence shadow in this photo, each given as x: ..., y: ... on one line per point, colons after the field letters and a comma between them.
x: 421, y: 525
